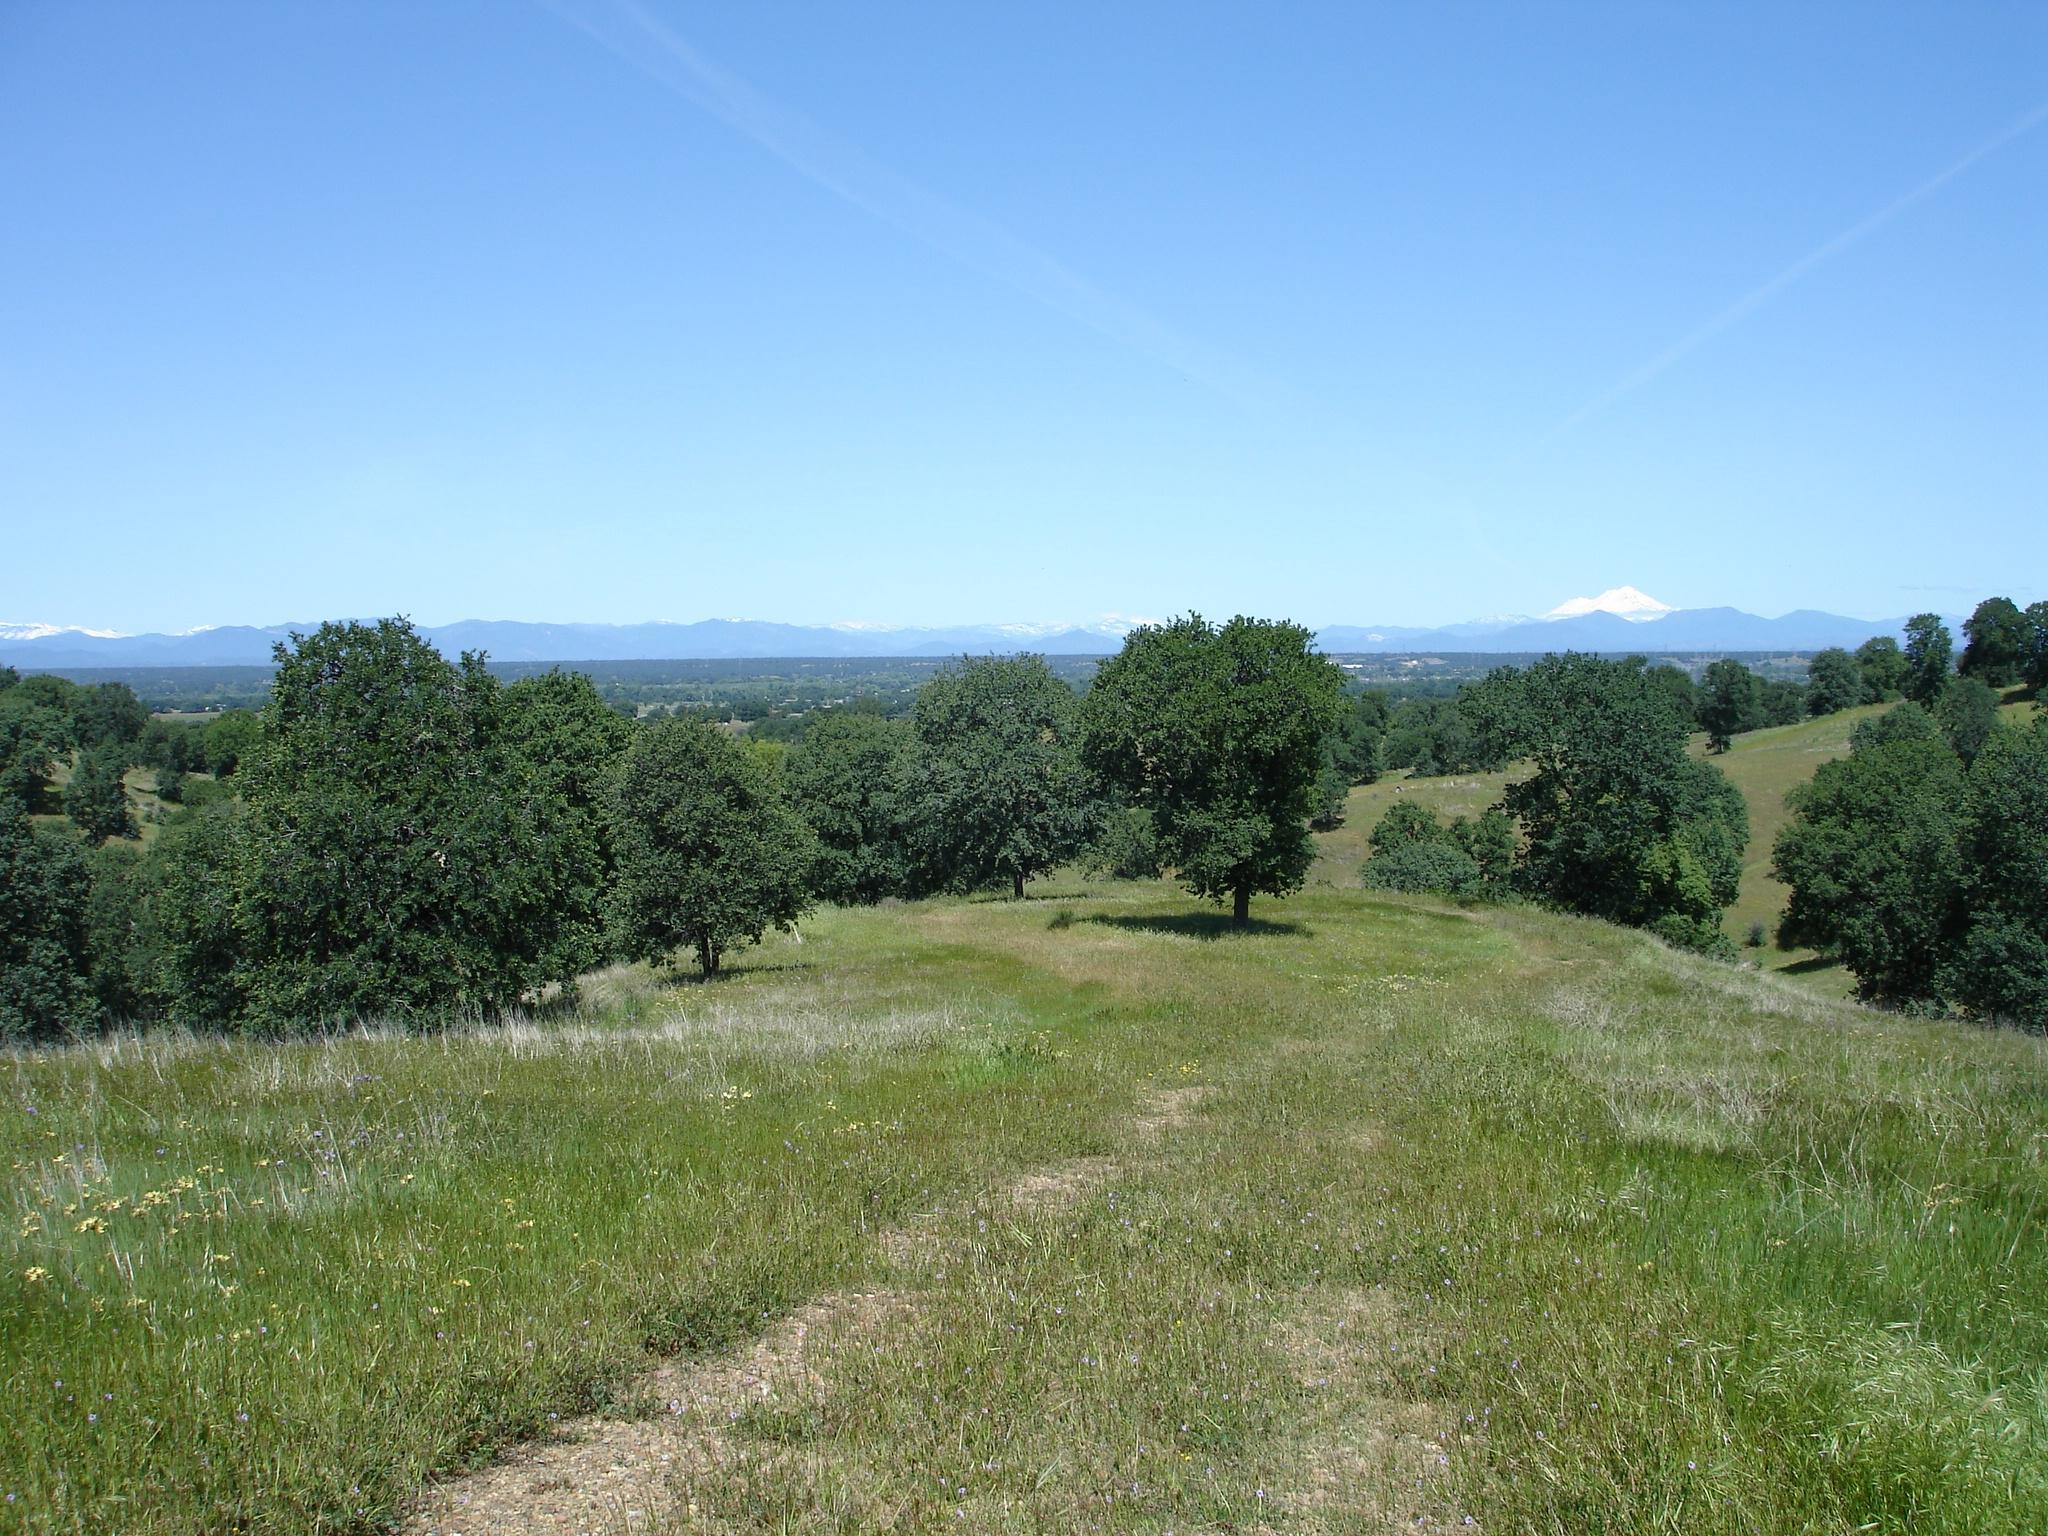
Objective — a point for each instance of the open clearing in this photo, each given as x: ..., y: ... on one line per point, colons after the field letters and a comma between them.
x: 1079, y: 1213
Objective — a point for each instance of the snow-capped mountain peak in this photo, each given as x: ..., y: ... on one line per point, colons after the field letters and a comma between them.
x: 42, y: 631
x: 1623, y: 602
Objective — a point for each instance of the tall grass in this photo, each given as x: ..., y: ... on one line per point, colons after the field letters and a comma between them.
x: 1492, y: 1215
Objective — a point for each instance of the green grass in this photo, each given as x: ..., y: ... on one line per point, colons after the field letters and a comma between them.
x: 1339, y: 853
x: 1767, y: 765
x: 140, y: 783
x: 1490, y: 1214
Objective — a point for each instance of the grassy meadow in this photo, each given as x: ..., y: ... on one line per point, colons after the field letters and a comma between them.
x: 1083, y: 1212
x: 1765, y: 765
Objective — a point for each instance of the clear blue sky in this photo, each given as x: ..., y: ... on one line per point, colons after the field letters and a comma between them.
x: 940, y: 313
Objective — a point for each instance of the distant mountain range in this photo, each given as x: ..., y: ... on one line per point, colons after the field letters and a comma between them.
x: 41, y: 645
x: 1622, y: 619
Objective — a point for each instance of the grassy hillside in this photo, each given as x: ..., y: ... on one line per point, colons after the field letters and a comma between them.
x: 1767, y: 765
x: 1075, y: 1213
x: 1339, y: 853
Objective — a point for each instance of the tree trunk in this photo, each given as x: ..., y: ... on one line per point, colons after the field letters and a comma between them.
x: 707, y: 957
x: 1016, y: 887
x: 1241, y: 906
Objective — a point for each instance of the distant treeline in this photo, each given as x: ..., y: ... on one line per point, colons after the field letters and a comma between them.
x: 395, y: 835
x: 778, y: 693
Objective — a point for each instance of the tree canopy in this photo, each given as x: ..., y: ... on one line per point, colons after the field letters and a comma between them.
x: 1923, y: 874
x: 711, y: 855
x: 1834, y: 682
x: 1618, y: 821
x: 844, y: 777
x: 1730, y: 702
x: 1883, y: 666
x: 1873, y: 859
x: 1999, y: 640
x: 1218, y: 731
x: 993, y: 789
x: 1928, y: 657
x: 45, y: 962
x: 398, y: 857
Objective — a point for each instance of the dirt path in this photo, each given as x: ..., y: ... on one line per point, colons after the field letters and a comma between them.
x: 629, y: 1471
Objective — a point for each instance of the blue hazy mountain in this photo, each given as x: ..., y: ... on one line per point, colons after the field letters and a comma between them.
x: 1683, y: 631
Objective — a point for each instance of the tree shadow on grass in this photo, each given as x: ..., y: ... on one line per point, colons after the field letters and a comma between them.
x: 1198, y: 925
x: 1807, y: 966
x: 688, y: 975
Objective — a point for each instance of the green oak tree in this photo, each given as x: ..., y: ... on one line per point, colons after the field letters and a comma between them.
x: 1928, y: 655
x: 1873, y: 858
x: 1358, y: 746
x: 1883, y: 666
x: 1218, y: 731
x: 1834, y: 682
x: 1730, y: 702
x: 992, y: 789
x: 399, y: 858
x: 96, y: 799
x: 1618, y: 822
x: 45, y: 958
x: 1413, y: 851
x: 1997, y: 638
x: 843, y: 777
x: 1967, y: 713
x: 226, y: 741
x: 711, y: 854
x: 35, y: 735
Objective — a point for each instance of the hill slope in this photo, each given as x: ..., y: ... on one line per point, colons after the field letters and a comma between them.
x: 1069, y: 1213
x: 1765, y: 765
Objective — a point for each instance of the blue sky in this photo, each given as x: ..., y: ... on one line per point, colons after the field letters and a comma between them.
x: 939, y: 313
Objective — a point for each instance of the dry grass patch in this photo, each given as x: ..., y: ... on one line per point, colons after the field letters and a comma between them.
x: 1364, y: 1458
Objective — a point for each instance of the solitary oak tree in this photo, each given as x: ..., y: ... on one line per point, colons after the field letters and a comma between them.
x: 1730, y: 702
x: 1219, y: 733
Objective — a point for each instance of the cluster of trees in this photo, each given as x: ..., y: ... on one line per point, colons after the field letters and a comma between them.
x: 48, y: 723
x: 1616, y: 821
x: 407, y: 837
x: 1412, y: 850
x: 398, y: 835
x: 1920, y: 861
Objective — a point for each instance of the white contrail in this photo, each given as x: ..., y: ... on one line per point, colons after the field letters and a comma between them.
x: 643, y: 41
x: 1758, y: 297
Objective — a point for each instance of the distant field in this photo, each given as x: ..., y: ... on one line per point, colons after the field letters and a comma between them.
x: 1077, y: 1213
x: 1766, y: 765
x: 1339, y: 853
x: 140, y: 783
